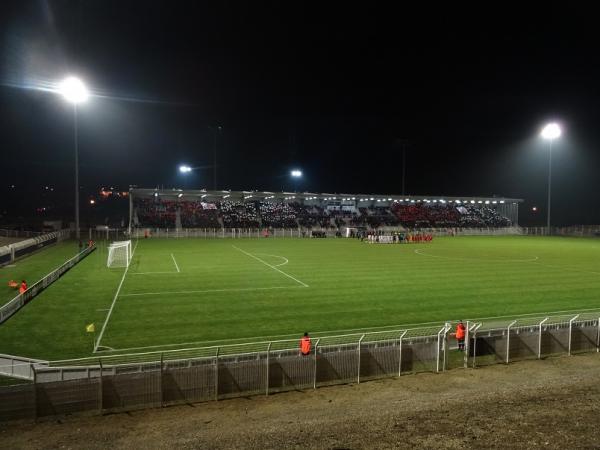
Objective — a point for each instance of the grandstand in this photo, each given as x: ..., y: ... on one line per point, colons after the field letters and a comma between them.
x: 177, y: 209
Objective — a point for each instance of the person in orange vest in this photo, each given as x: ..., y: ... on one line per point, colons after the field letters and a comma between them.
x: 23, y: 287
x: 460, y: 336
x: 305, y: 345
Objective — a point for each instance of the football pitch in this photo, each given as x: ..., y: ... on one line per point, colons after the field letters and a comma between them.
x: 182, y: 293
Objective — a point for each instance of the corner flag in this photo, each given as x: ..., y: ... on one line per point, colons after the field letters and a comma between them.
x: 90, y: 328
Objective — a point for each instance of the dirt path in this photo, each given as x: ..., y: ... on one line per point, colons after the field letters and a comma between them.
x: 537, y: 404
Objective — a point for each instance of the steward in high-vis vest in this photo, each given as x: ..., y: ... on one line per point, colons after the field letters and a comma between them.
x: 460, y: 336
x: 305, y: 345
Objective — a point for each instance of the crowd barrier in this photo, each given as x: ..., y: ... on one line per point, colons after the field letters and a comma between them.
x: 571, y: 231
x: 259, y: 233
x: 9, y: 253
x: 14, y: 305
x: 115, y: 383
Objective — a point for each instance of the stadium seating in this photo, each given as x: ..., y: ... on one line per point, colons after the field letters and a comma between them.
x: 159, y: 213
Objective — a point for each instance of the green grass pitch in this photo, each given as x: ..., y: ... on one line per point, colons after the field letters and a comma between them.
x: 194, y: 292
x: 34, y: 267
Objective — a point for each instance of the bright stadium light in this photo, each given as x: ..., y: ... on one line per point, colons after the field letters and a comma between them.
x: 551, y: 131
x: 73, y: 90
x: 296, y: 173
x: 185, y: 169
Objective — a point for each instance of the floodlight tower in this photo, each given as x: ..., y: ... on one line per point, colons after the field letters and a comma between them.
x: 296, y: 175
x: 550, y: 132
x: 74, y: 91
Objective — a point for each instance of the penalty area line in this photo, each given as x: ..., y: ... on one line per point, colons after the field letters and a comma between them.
x: 206, y: 291
x: 271, y: 266
x: 110, y: 310
x: 176, y: 266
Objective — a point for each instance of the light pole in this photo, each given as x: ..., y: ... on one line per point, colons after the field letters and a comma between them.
x: 74, y: 91
x: 550, y: 132
x: 296, y: 175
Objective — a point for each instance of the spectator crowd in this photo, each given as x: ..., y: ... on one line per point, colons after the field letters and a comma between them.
x: 159, y: 213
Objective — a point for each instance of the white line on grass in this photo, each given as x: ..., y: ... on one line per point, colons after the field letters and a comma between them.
x: 176, y: 266
x: 271, y: 266
x: 113, y: 302
x: 150, y: 273
x: 351, y: 330
x: 212, y: 290
x: 276, y: 256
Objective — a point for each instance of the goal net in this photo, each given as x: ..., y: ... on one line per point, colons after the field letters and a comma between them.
x: 119, y: 254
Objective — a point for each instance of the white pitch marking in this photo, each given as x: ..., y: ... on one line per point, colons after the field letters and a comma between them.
x: 419, y: 252
x: 150, y: 273
x: 271, y: 266
x: 276, y: 256
x: 176, y: 266
x: 113, y: 302
x: 210, y: 290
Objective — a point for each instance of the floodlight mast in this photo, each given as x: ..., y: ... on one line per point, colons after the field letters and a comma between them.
x: 550, y: 132
x: 74, y: 91
x: 296, y: 174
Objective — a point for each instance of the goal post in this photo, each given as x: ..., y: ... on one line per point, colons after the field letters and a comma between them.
x: 119, y: 254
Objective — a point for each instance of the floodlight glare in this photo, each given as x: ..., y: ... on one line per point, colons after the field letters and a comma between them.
x: 185, y: 169
x: 73, y: 90
x: 296, y: 173
x: 551, y: 131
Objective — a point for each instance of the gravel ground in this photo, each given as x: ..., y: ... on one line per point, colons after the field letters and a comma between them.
x: 553, y: 403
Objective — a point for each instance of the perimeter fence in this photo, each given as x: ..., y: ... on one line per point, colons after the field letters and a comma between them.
x: 124, y: 382
x: 11, y: 252
x: 9, y: 309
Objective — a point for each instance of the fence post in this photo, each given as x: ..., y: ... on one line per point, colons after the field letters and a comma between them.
x: 437, y: 352
x: 475, y: 344
x: 358, y: 371
x: 571, y: 332
x: 101, y: 388
x: 315, y: 367
x: 448, y: 327
x: 35, y: 396
x: 508, y: 340
x: 466, y: 354
x: 162, y: 390
x: 267, y: 383
x: 598, y: 337
x: 540, y: 339
x: 217, y: 374
x: 400, y: 354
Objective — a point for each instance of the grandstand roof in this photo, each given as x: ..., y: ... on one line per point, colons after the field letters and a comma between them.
x: 312, y: 196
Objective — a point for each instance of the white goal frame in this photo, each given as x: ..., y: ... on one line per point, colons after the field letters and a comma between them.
x: 119, y: 254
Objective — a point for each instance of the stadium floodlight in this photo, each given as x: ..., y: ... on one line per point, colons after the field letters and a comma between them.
x: 185, y: 169
x: 73, y: 90
x: 296, y: 173
x: 550, y: 132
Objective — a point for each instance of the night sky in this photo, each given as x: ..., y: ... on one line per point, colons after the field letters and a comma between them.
x: 335, y: 90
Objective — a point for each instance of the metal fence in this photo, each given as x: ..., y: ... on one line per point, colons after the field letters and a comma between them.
x: 259, y: 233
x: 571, y: 231
x: 19, y: 233
x: 14, y: 305
x: 9, y: 253
x: 113, y: 383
